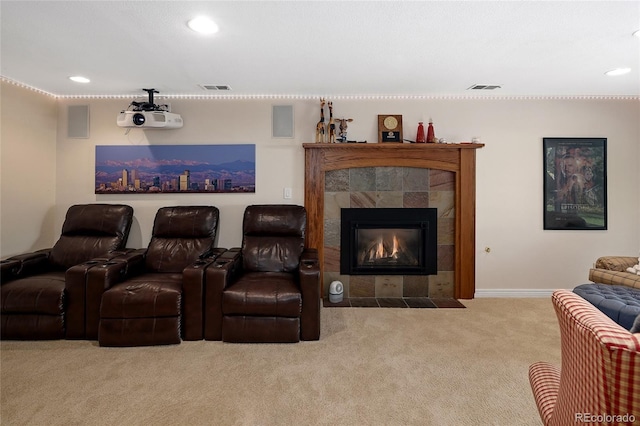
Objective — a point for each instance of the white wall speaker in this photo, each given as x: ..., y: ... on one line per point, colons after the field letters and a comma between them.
x: 282, y: 121
x: 78, y: 121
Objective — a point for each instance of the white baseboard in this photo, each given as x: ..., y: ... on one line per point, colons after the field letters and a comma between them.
x: 508, y: 292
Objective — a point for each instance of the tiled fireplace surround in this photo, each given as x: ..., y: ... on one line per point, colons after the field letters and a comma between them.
x: 395, y: 175
x: 385, y: 187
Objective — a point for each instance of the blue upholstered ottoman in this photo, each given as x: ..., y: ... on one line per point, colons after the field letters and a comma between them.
x: 618, y: 302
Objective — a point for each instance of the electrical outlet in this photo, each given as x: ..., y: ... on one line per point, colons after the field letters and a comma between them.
x: 287, y: 193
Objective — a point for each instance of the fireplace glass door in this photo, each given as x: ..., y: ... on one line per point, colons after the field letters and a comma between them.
x: 388, y: 241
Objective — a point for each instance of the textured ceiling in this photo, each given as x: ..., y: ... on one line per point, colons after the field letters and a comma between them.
x: 305, y: 48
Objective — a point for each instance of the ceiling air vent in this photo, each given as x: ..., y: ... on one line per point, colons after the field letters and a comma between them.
x: 215, y: 87
x: 484, y: 87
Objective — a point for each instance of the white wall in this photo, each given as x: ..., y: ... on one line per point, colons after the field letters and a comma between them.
x: 279, y: 162
x: 509, y: 192
x: 509, y: 170
x: 27, y: 176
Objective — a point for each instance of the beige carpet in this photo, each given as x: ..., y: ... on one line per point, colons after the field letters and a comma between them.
x: 372, y: 366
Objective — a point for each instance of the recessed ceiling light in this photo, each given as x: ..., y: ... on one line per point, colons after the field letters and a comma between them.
x: 79, y: 79
x: 203, y: 25
x: 618, y: 71
x: 637, y: 34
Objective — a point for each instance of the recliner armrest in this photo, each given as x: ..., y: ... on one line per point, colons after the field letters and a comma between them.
x: 309, y: 273
x: 9, y: 270
x: 193, y: 303
x: 132, y: 261
x: 75, y: 285
x: 228, y: 263
x: 215, y: 253
x: 33, y: 263
x: 219, y: 275
x: 309, y: 259
x: 113, y: 269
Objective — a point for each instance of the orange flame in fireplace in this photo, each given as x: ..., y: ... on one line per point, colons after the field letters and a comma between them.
x: 379, y: 249
x: 394, y: 253
x: 387, y: 248
x: 381, y: 252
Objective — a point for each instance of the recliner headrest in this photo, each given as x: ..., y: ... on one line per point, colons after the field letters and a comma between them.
x: 275, y: 219
x: 186, y: 222
x: 98, y: 219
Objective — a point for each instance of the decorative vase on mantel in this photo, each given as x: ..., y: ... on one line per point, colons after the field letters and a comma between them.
x: 431, y: 136
x: 420, y: 138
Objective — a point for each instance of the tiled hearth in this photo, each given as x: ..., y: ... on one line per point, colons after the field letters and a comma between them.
x: 394, y: 302
x: 390, y: 187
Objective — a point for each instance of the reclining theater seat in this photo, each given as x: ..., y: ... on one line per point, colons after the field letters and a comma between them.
x: 150, y: 293
x: 36, y: 301
x: 269, y: 290
x: 600, y: 371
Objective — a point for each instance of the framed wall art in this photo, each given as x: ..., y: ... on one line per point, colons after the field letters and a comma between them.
x: 155, y: 169
x: 575, y: 183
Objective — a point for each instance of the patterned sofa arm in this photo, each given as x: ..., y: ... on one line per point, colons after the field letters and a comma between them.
x: 598, y: 373
x: 612, y: 270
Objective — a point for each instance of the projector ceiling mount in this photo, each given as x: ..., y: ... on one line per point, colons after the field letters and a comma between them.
x: 148, y: 106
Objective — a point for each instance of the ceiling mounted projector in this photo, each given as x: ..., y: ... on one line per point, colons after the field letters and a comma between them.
x: 148, y: 115
x: 149, y: 119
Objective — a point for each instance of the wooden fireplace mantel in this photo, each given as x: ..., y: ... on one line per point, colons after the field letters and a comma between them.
x: 457, y: 158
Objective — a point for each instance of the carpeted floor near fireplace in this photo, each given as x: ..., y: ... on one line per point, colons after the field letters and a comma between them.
x: 394, y: 302
x: 388, y: 367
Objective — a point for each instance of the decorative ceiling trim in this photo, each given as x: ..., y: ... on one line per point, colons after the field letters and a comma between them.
x: 335, y: 96
x: 26, y: 86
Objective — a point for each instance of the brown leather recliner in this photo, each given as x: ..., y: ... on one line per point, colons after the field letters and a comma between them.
x: 36, y: 299
x: 268, y: 290
x: 155, y: 295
